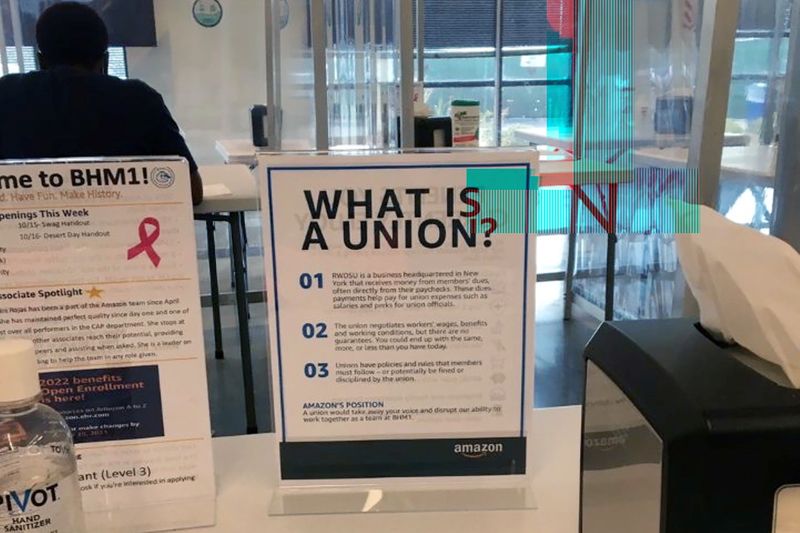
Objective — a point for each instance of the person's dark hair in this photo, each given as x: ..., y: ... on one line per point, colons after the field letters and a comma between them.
x: 71, y: 34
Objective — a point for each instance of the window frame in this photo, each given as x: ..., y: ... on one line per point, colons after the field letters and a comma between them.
x: 499, y: 54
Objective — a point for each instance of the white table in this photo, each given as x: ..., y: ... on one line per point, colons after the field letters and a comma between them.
x: 238, y: 179
x: 230, y: 208
x: 237, y: 151
x: 541, y: 134
x: 242, y: 151
x: 756, y: 162
x: 245, y: 473
x: 742, y: 168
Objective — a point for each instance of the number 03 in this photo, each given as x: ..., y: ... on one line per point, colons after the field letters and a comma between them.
x: 319, y: 370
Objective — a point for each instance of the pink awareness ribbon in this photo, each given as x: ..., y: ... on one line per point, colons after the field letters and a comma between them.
x: 147, y: 240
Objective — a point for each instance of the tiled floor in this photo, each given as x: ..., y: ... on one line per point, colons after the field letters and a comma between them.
x: 559, y: 368
x: 226, y: 396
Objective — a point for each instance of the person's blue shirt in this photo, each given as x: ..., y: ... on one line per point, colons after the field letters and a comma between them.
x: 68, y: 112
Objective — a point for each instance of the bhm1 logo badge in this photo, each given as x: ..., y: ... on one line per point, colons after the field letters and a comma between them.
x: 163, y: 178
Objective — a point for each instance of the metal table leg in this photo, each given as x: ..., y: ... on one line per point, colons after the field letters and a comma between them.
x: 245, y: 243
x: 609, y: 224
x: 212, y: 268
x: 231, y: 229
x: 242, y: 314
x: 611, y: 262
x: 245, y: 269
x: 611, y: 249
x: 572, y: 243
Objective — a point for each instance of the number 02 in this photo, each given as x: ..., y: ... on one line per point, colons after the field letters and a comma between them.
x: 310, y: 331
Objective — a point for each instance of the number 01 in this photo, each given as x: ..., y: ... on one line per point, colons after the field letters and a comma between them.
x: 308, y: 281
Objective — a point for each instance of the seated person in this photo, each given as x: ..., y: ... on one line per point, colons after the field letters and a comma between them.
x: 72, y: 108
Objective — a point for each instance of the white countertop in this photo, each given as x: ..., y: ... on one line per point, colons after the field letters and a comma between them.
x: 738, y: 162
x: 541, y: 134
x: 242, y: 151
x: 237, y: 151
x: 237, y: 185
x: 246, y: 470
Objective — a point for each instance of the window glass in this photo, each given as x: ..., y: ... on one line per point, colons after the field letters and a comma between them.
x: 363, y: 74
x: 116, y: 65
x: 458, y: 66
x: 757, y: 84
x: 526, y: 23
x: 533, y: 106
x: 459, y: 23
x: 129, y: 22
x: 28, y: 59
x: 542, y: 63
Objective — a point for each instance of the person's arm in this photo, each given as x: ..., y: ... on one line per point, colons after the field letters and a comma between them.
x: 197, y: 187
x: 168, y: 140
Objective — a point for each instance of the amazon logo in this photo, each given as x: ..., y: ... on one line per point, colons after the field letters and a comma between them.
x: 478, y: 450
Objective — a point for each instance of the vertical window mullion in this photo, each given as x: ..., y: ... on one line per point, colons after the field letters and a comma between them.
x: 498, y: 82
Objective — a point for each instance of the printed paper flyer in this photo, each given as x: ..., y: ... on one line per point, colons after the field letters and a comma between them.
x: 98, y: 268
x: 401, y: 314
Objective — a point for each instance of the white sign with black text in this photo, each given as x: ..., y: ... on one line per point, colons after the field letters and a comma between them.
x: 98, y: 267
x: 401, y: 311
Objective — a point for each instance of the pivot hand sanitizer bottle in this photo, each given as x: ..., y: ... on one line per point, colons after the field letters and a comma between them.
x: 39, y: 490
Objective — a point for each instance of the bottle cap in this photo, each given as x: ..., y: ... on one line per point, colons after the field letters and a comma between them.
x: 19, y: 371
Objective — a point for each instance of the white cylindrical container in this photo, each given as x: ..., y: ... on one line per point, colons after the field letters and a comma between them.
x: 466, y: 117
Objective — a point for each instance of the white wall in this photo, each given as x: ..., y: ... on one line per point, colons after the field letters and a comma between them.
x: 209, y: 77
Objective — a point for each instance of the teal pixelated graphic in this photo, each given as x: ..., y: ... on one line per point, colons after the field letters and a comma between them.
x: 503, y: 194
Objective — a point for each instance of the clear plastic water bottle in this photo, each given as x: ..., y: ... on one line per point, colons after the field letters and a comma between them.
x: 39, y: 489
